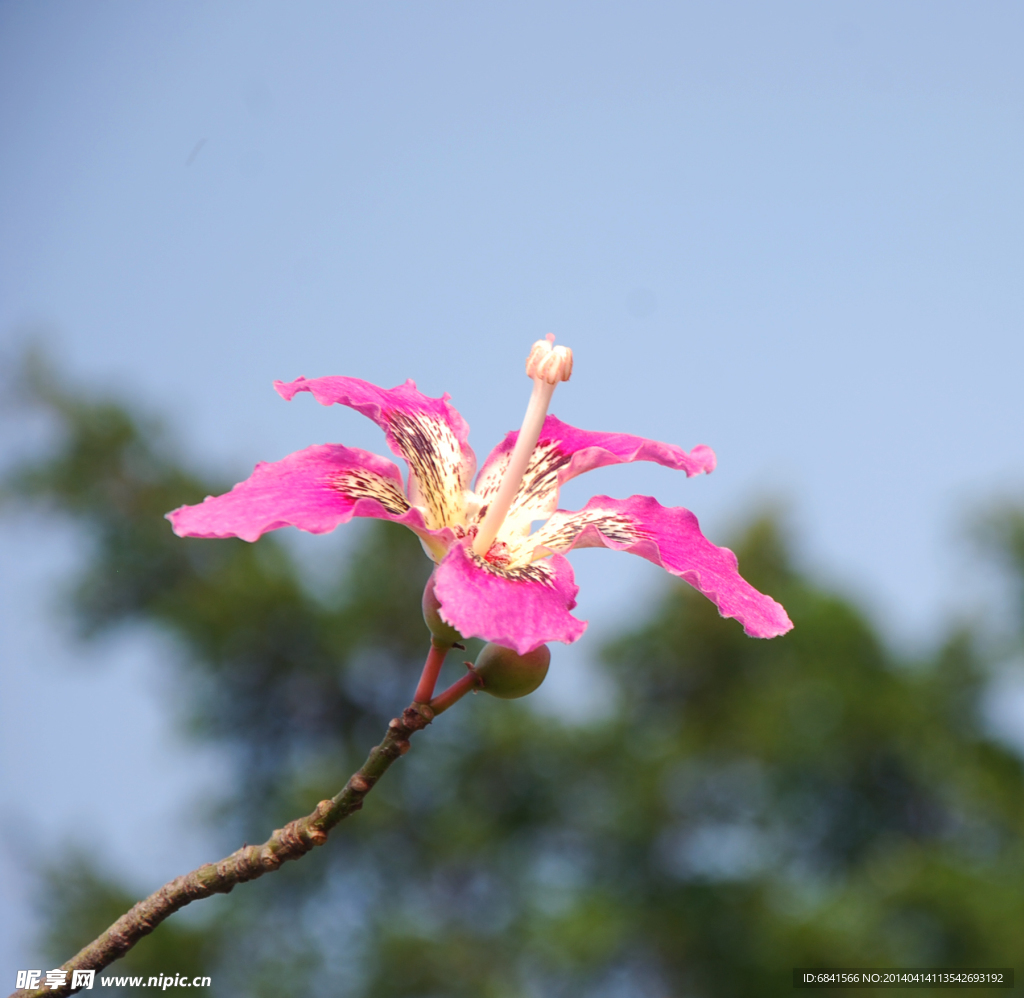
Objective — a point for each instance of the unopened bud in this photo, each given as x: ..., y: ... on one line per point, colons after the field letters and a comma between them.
x: 443, y: 633
x: 548, y: 362
x: 509, y: 676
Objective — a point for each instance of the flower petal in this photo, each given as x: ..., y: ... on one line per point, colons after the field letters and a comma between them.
x: 518, y: 608
x: 562, y: 453
x: 671, y: 538
x: 429, y: 433
x: 313, y: 489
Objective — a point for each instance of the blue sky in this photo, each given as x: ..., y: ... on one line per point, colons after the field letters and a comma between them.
x: 790, y: 231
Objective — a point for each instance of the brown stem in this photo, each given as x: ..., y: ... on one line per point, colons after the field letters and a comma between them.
x: 291, y: 842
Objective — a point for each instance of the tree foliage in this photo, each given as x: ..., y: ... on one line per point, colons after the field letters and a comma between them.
x: 745, y: 807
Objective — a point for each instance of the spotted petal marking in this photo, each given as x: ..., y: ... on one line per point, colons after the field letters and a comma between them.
x: 313, y: 489
x: 429, y: 433
x: 435, y: 465
x: 360, y: 483
x: 563, y: 531
x: 671, y: 538
x: 519, y: 611
x: 512, y: 562
x: 537, y: 496
x: 562, y: 453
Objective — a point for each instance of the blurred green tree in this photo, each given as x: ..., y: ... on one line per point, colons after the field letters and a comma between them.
x: 743, y: 808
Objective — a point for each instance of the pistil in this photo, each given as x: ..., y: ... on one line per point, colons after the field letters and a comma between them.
x: 547, y: 365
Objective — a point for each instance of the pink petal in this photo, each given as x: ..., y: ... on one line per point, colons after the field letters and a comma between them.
x: 429, y: 433
x: 563, y: 452
x: 671, y: 538
x: 520, y: 612
x: 313, y: 489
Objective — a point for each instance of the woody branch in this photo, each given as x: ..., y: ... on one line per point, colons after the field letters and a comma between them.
x: 293, y: 841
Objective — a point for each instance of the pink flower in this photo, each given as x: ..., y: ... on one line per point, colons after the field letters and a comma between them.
x: 494, y: 578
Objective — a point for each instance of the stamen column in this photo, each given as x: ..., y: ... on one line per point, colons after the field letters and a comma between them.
x: 547, y: 365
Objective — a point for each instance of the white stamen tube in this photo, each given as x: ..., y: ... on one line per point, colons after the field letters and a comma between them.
x: 547, y: 365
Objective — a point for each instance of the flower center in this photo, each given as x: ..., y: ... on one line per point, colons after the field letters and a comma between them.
x: 547, y: 365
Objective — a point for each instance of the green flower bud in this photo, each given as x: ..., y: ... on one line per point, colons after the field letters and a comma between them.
x: 509, y: 676
x: 443, y: 634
